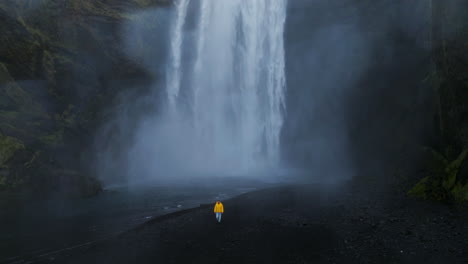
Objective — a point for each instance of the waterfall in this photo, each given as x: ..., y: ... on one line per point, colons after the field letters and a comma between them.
x: 174, y: 71
x: 231, y: 106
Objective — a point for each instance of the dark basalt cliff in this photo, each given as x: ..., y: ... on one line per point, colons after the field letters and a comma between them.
x: 61, y: 62
x: 378, y: 89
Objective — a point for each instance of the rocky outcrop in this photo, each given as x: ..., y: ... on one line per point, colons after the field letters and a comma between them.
x: 448, y: 181
x: 59, y: 62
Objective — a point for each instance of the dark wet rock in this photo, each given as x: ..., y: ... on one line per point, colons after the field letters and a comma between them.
x: 61, y: 65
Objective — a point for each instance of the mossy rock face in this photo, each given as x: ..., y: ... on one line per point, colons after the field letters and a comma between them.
x: 460, y: 191
x: 444, y: 182
x: 5, y: 79
x: 14, y: 98
x: 54, y: 139
x: 5, y: 76
x: 19, y: 47
x: 421, y: 189
x: 62, y: 62
x: 8, y: 147
x: 11, y: 95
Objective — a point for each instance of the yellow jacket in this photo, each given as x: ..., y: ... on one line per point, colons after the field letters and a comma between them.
x: 218, y: 208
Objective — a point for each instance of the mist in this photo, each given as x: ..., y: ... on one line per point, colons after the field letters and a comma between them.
x: 357, y: 101
x: 339, y: 116
x: 217, y: 108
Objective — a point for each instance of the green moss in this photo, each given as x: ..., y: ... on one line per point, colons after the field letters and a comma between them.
x: 443, y: 184
x: 48, y: 64
x: 8, y: 127
x: 451, y: 171
x: 41, y: 37
x: 460, y: 192
x: 420, y: 189
x: 13, y: 96
x: 18, y: 95
x: 9, y: 115
x: 67, y: 118
x: 62, y: 59
x: 5, y: 76
x: 8, y: 147
x: 53, y: 139
x: 34, y: 157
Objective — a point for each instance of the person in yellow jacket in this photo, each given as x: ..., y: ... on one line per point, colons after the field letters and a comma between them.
x: 218, y: 210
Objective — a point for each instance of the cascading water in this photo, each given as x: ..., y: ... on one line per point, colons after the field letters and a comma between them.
x: 226, y: 86
x: 173, y: 71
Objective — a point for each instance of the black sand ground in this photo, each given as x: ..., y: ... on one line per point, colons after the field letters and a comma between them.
x: 294, y: 224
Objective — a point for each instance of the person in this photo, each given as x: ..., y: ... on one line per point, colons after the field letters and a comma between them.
x: 218, y: 210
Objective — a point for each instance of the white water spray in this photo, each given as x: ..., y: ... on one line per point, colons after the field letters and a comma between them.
x: 174, y: 69
x: 230, y: 113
